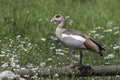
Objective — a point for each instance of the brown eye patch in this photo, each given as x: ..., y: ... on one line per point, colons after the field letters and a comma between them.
x: 57, y: 16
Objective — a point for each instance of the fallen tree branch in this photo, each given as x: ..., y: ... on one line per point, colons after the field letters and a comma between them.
x: 84, y: 71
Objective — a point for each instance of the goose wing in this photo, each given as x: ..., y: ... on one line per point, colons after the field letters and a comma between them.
x: 88, y: 42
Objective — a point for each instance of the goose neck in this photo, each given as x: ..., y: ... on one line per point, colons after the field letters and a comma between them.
x: 62, y: 24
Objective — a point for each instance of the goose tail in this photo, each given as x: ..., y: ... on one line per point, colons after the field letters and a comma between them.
x: 100, y: 48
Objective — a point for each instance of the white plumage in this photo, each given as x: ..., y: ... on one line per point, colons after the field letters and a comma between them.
x: 76, y: 37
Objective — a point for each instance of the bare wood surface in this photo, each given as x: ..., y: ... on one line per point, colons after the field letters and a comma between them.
x: 84, y: 71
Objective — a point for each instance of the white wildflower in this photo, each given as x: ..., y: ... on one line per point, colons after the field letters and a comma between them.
x: 42, y: 64
x: 110, y: 23
x: 59, y: 50
x: 47, y: 19
x: 77, y: 56
x: 4, y: 65
x: 25, y: 49
x: 13, y: 64
x: 53, y: 38
x: 116, y: 28
x: 34, y: 69
x: 52, y: 44
x: 29, y: 44
x: 116, y: 47
x: 71, y: 22
x: 10, y: 45
x: 23, y: 68
x: 67, y: 17
x: 34, y: 77
x: 2, y: 55
x: 43, y: 39
x: 100, y: 37
x: 94, y: 61
x: 59, y: 63
x: 26, y: 38
x: 27, y: 12
x: 52, y: 47
x: 18, y: 36
x: 40, y: 19
x: 7, y: 74
x: 26, y: 75
x: 30, y: 65
x: 49, y: 59
x: 17, y: 66
x: 2, y: 52
x: 88, y: 64
x: 60, y: 53
x: 23, y: 42
x: 96, y: 35
x: 56, y: 75
x: 98, y: 27
x: 93, y: 31
x: 10, y: 39
x: 117, y: 77
x: 50, y: 66
x: 109, y: 56
x: 20, y: 78
x: 21, y: 46
x: 108, y: 30
x: 5, y: 37
x: 117, y: 32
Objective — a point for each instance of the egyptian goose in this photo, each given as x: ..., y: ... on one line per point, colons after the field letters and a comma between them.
x: 75, y: 40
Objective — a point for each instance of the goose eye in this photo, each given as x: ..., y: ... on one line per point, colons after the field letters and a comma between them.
x: 57, y: 16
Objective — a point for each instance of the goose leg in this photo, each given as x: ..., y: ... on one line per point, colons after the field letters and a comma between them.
x: 81, y: 54
x: 72, y: 65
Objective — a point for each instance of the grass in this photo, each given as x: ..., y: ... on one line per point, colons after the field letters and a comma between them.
x: 27, y: 36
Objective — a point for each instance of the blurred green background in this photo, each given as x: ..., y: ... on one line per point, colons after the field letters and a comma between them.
x: 27, y: 36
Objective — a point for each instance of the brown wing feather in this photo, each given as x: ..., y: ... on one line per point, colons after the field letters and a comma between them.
x: 91, y: 45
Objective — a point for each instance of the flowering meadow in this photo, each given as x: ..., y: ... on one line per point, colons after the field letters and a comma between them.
x: 27, y: 38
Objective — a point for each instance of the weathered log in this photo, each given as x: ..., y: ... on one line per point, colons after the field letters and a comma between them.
x: 84, y: 71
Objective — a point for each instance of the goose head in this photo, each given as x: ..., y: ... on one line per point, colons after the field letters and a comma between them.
x: 58, y: 18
